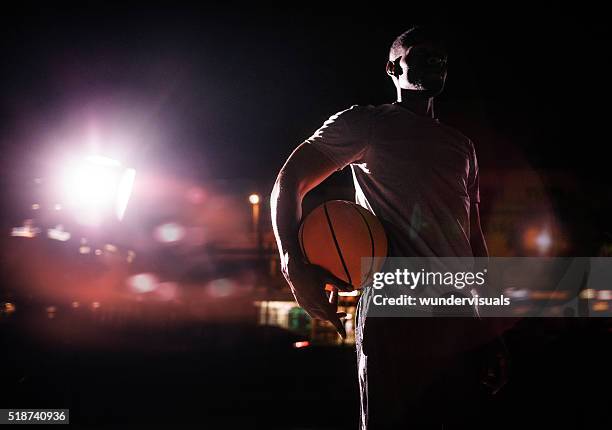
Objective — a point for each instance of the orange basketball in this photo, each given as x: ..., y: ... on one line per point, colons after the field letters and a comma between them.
x: 338, y: 234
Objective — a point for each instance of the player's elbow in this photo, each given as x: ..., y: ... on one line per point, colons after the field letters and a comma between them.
x: 305, y: 169
x: 290, y: 182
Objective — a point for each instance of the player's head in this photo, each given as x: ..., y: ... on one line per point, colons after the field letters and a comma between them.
x: 417, y: 62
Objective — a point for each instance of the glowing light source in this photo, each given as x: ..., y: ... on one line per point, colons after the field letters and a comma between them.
x: 538, y: 239
x: 58, y: 233
x: 589, y: 293
x: 601, y: 306
x: 94, y: 186
x: 302, y: 344
x: 170, y: 232
x: 254, y: 199
x: 27, y: 230
x: 517, y: 293
x: 604, y: 295
x: 51, y: 311
x: 543, y: 241
x: 142, y: 283
x: 9, y: 308
x: 353, y: 293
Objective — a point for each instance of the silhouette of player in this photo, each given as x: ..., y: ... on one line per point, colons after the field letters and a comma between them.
x: 420, y: 177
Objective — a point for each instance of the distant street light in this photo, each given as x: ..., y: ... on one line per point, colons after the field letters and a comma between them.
x: 254, y: 199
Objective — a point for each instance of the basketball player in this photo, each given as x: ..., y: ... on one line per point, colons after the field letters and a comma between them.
x: 420, y: 177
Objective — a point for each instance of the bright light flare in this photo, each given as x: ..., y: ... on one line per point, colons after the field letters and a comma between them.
x: 126, y: 184
x: 96, y: 185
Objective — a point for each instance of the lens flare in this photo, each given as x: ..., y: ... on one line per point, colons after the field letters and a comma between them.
x: 169, y: 232
x: 142, y: 283
x: 94, y: 186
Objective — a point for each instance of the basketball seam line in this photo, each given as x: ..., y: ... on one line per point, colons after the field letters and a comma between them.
x: 371, y: 241
x: 331, y: 229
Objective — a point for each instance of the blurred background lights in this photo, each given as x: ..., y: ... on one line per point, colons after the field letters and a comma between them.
x: 589, y: 293
x: 254, y: 199
x: 220, y: 288
x: 601, y: 306
x: 301, y: 344
x: 353, y: 293
x: 538, y: 239
x: 604, y: 295
x: 26, y: 230
x: 169, y: 232
x: 517, y: 293
x: 95, y: 186
x: 166, y: 291
x: 543, y: 241
x: 58, y: 233
x: 142, y: 283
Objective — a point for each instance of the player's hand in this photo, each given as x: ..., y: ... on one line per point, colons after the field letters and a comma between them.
x: 307, y: 282
x: 496, y: 369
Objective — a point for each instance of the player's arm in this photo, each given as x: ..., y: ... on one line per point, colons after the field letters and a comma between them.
x: 305, y: 168
x: 477, y: 240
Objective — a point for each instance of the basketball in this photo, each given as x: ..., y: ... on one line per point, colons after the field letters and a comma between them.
x: 338, y: 234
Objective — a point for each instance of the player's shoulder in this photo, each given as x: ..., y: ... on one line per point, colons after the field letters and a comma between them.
x: 458, y: 135
x: 363, y: 112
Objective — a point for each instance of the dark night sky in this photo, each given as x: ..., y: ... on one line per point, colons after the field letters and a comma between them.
x: 213, y: 93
